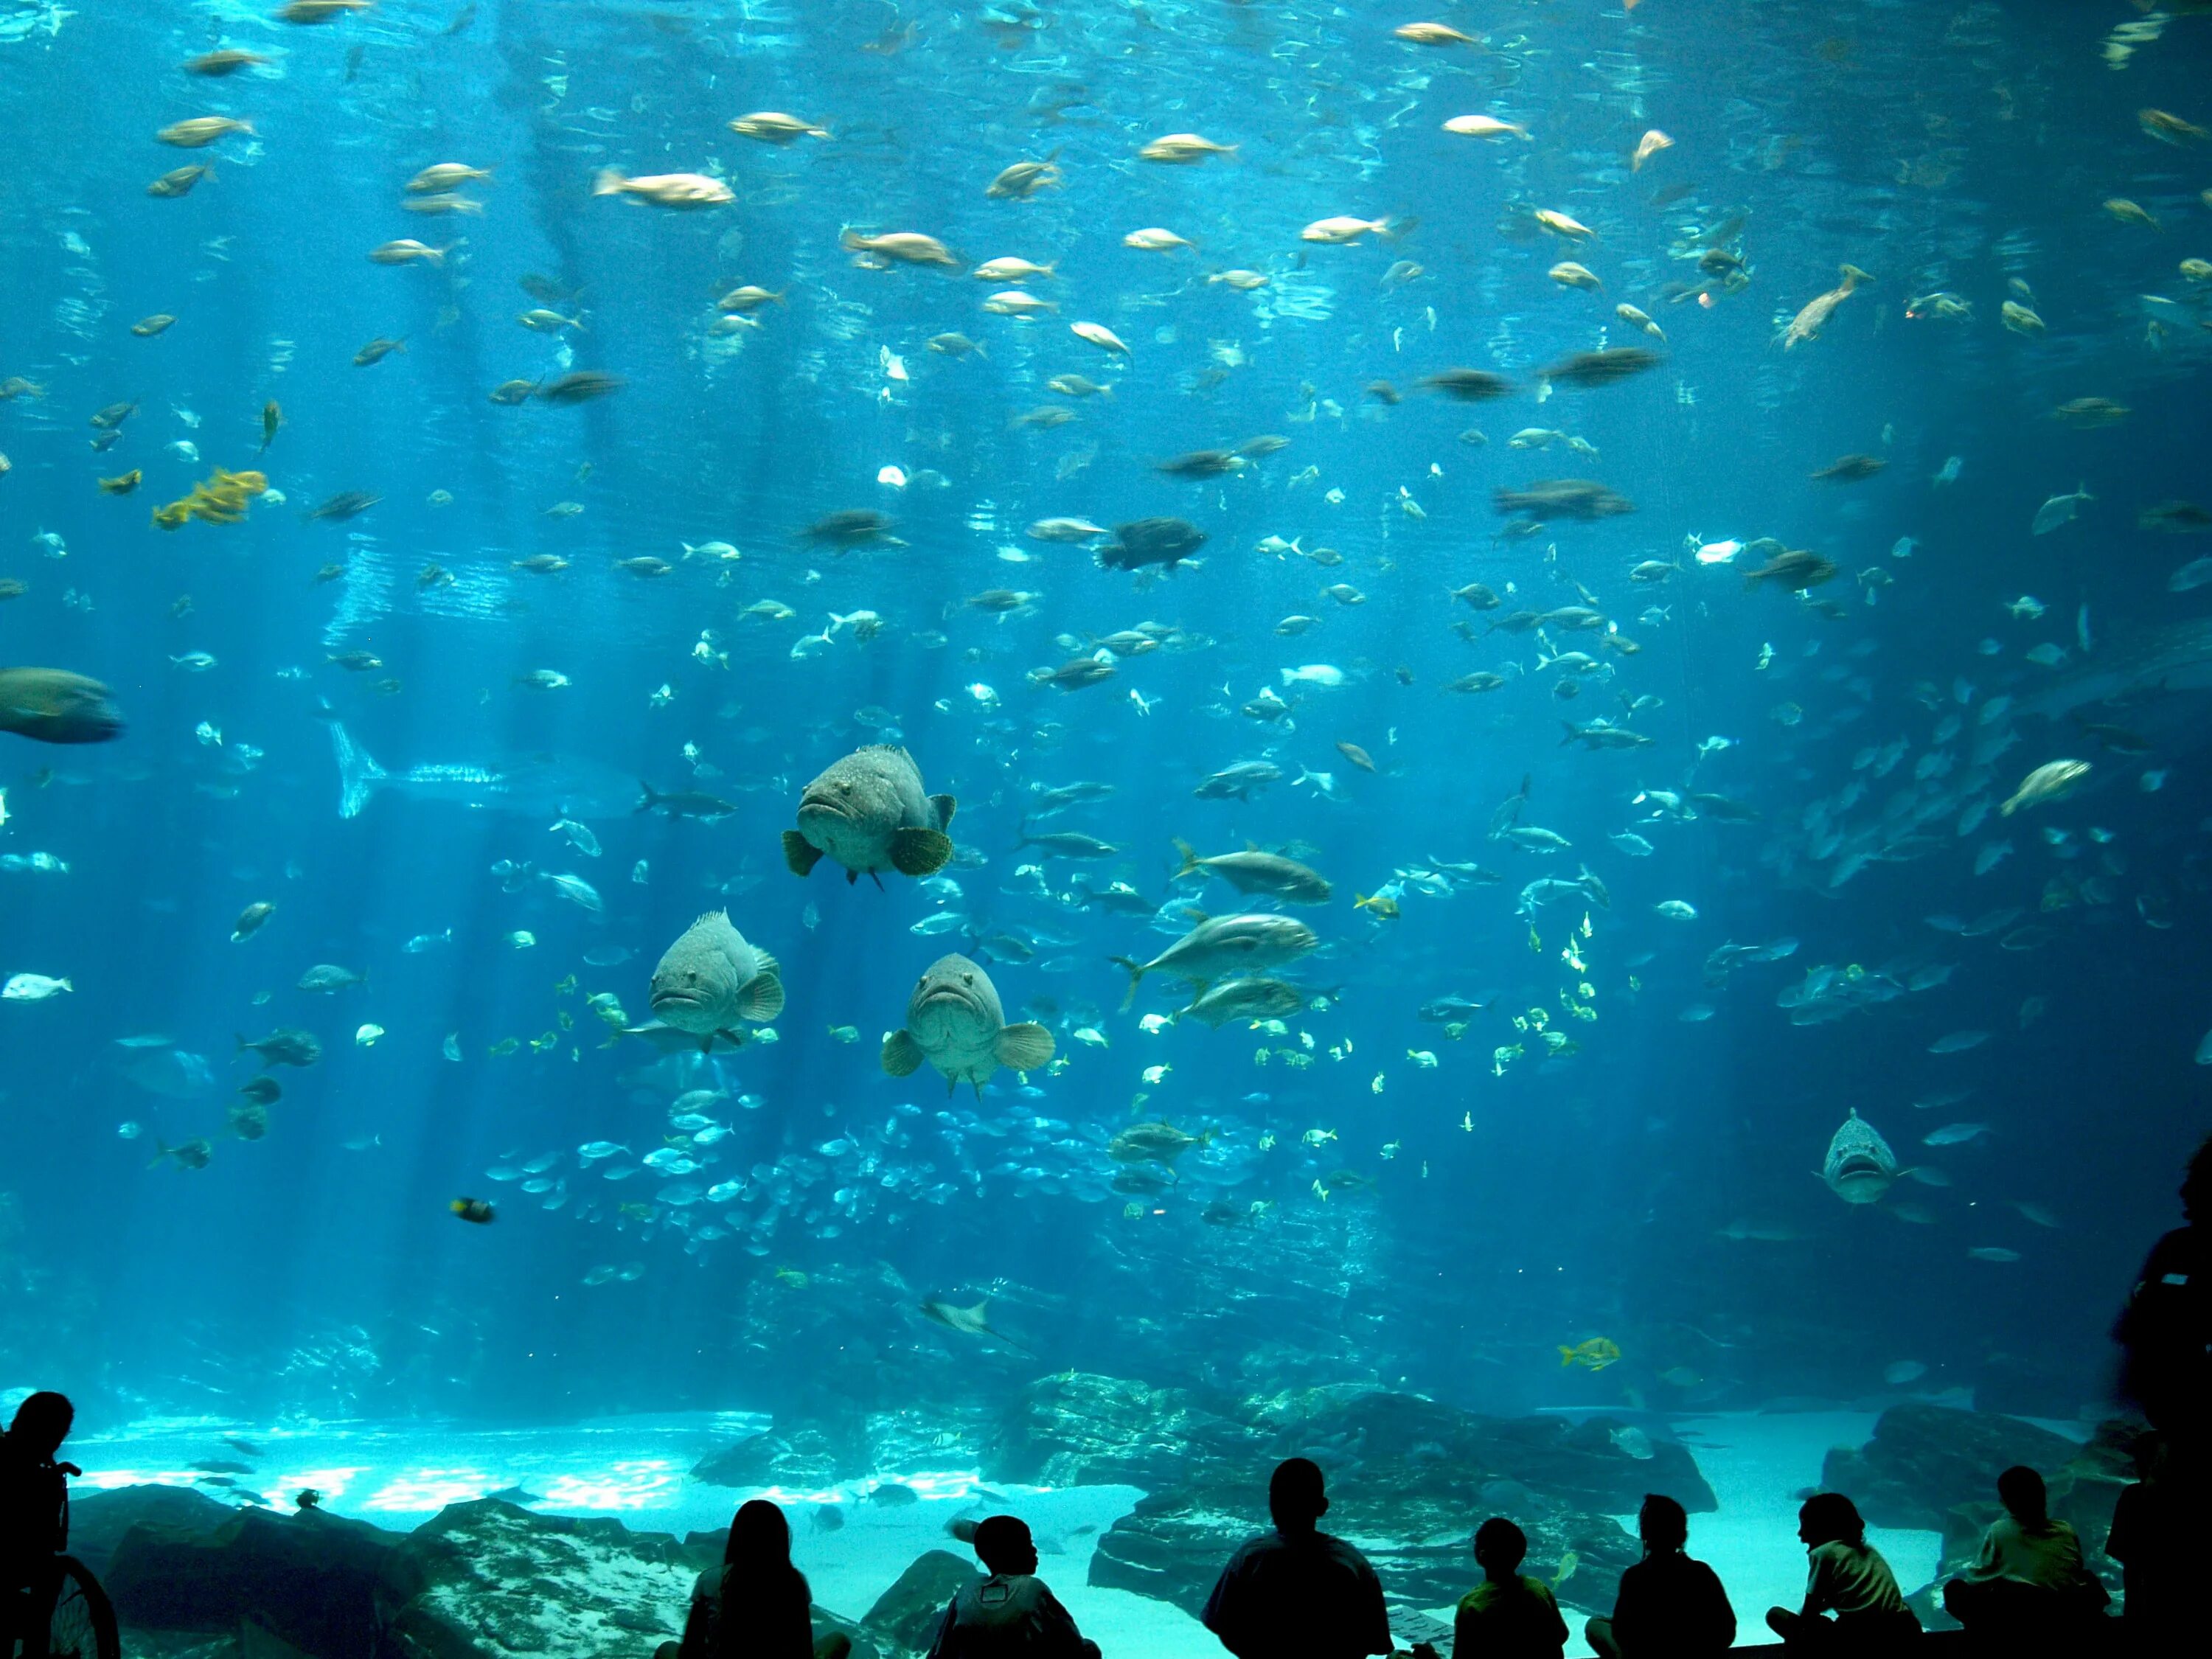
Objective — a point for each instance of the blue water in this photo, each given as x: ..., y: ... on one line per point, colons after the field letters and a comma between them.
x: 1609, y: 1147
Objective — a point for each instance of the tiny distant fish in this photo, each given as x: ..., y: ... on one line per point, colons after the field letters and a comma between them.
x: 1957, y: 1042
x: 1954, y: 1134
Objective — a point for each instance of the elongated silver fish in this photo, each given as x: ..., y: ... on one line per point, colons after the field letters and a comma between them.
x: 1222, y: 945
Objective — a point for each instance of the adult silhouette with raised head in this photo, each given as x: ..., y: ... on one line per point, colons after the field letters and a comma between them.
x: 2165, y: 1332
x: 1669, y: 1606
x: 755, y: 1605
x: 1849, y: 1579
x: 2161, y: 1536
x: 1013, y: 1612
x: 1508, y: 1615
x: 2029, y: 1586
x: 34, y: 1517
x: 1296, y: 1593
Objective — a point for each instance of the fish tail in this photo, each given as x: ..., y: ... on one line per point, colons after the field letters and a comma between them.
x: 1189, y: 858
x: 649, y: 798
x: 610, y: 182
x: 358, y: 772
x: 1136, y: 977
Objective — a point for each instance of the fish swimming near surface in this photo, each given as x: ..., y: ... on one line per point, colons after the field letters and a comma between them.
x: 1860, y: 1168
x: 712, y: 978
x: 956, y: 1022
x: 971, y: 1322
x: 52, y: 705
x: 868, y: 812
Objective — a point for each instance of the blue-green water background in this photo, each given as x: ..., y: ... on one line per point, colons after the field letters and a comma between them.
x: 1937, y: 147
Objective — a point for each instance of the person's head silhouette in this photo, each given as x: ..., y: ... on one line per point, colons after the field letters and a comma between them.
x: 2196, y: 1180
x: 42, y: 1423
x: 1004, y: 1546
x: 2021, y: 1489
x: 760, y: 1538
x: 1500, y: 1547
x: 1662, y: 1524
x: 1829, y: 1517
x: 1294, y: 1495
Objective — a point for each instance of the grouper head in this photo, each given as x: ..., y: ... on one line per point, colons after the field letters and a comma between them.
x: 1860, y: 1167
x: 954, y: 999
x: 695, y: 987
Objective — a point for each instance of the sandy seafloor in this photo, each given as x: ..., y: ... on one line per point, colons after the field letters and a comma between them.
x: 397, y: 1475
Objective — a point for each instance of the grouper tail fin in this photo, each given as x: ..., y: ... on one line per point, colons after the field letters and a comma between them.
x: 358, y: 773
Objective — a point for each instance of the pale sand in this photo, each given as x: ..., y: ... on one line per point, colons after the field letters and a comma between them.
x: 399, y: 1474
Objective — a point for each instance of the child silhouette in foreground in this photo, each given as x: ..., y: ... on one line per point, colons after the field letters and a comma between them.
x: 1506, y: 1616
x: 1668, y: 1607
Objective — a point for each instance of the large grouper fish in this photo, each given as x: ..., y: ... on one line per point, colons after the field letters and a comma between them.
x: 868, y: 812
x: 52, y: 705
x: 955, y: 1021
x: 712, y: 978
x: 1860, y: 1168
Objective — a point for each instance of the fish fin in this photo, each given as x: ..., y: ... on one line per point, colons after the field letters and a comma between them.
x: 1136, y: 977
x: 800, y: 855
x: 920, y: 852
x: 1198, y: 917
x: 358, y: 773
x: 902, y: 1054
x: 1024, y: 1047
x: 1566, y: 1357
x: 1189, y: 859
x: 762, y: 999
x: 646, y: 801
x: 944, y: 806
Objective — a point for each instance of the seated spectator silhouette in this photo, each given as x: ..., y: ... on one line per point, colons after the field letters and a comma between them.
x: 2165, y: 1332
x: 1011, y: 1612
x: 2029, y: 1584
x: 1506, y: 1616
x: 34, y: 1515
x: 1296, y: 1593
x: 1849, y: 1579
x: 2161, y: 1536
x: 1668, y: 1607
x: 756, y: 1603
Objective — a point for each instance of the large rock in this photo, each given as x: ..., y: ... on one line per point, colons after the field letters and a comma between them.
x: 485, y: 1579
x: 99, y: 1520
x: 905, y: 1617
x: 1925, y: 1460
x: 310, y: 1578
x: 1081, y: 1428
x: 1172, y: 1547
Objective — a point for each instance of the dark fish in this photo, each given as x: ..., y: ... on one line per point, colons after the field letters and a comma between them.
x: 1466, y: 386
x: 851, y: 527
x: 52, y: 705
x: 580, y: 387
x: 1602, y: 367
x: 346, y: 504
x: 1151, y: 541
x: 1571, y: 498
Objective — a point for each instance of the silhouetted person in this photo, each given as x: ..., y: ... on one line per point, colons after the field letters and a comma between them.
x: 1506, y: 1616
x: 34, y: 1517
x: 1011, y: 1612
x: 1669, y: 1606
x: 755, y: 1605
x: 2160, y: 1536
x: 2029, y: 1583
x: 1849, y: 1579
x: 2165, y: 1332
x: 1296, y: 1593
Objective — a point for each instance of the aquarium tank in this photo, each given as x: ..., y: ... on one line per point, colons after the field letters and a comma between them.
x: 942, y: 758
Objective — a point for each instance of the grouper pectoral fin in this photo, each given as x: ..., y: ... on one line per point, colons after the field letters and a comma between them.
x: 1026, y: 1047
x: 762, y: 999
x: 944, y: 806
x: 902, y: 1054
x: 800, y: 855
x: 920, y: 852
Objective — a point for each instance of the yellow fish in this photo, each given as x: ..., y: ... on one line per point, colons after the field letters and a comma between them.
x: 1595, y: 1354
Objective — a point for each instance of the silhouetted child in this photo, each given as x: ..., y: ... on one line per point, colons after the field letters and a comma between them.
x: 1669, y: 1606
x: 1296, y: 1593
x: 2030, y: 1579
x: 1849, y: 1579
x: 33, y: 1499
x: 756, y: 1604
x: 1506, y: 1616
x: 1011, y: 1612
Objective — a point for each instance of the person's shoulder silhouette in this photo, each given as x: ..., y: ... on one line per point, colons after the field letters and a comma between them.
x: 1297, y: 1591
